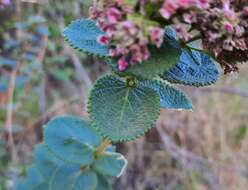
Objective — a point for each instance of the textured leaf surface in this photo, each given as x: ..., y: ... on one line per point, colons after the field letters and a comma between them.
x: 103, y: 183
x: 71, y: 139
x: 110, y: 164
x: 170, y: 97
x: 161, y: 60
x: 45, y: 161
x: 82, y: 35
x: 121, y: 112
x: 195, y: 68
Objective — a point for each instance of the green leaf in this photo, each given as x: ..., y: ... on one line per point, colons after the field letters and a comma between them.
x: 170, y: 97
x: 110, y: 164
x: 64, y: 177
x: 71, y: 139
x: 45, y: 161
x: 103, y: 183
x: 32, y: 180
x: 194, y: 68
x: 161, y: 60
x: 43, y: 186
x: 86, y: 181
x: 122, y: 112
x: 70, y: 177
x: 82, y: 34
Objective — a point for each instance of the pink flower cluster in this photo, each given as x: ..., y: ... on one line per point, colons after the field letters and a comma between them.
x: 170, y: 7
x: 127, y: 34
x: 132, y: 26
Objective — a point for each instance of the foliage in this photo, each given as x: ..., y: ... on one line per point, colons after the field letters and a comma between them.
x: 57, y: 163
x: 122, y: 107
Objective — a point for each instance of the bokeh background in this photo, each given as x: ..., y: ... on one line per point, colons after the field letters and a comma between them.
x: 42, y: 77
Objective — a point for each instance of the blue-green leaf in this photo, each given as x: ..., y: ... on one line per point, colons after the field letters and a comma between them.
x: 170, y: 97
x: 64, y: 177
x: 110, y: 164
x: 45, y: 161
x: 71, y: 139
x: 103, y: 183
x: 86, y: 181
x: 82, y: 35
x: 194, y: 68
x: 69, y: 177
x: 161, y: 60
x: 122, y: 112
x: 32, y: 180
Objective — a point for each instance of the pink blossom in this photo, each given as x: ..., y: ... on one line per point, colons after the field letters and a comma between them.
x: 113, y: 15
x: 112, y: 52
x: 245, y: 11
x: 122, y: 64
x: 203, y: 3
x: 104, y: 40
x: 184, y: 3
x: 168, y: 9
x: 157, y: 36
x: 228, y: 27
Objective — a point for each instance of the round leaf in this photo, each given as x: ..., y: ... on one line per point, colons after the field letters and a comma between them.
x: 122, y: 112
x: 71, y: 139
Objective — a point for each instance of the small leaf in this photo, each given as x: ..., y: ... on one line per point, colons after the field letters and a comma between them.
x: 71, y: 139
x: 82, y: 35
x: 64, y: 177
x: 122, y: 112
x: 111, y: 164
x: 194, y: 68
x: 103, y: 183
x: 45, y: 161
x: 161, y: 60
x: 86, y: 181
x: 170, y: 97
x: 70, y: 177
x: 32, y: 180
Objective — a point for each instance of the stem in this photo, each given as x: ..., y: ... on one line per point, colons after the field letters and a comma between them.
x: 9, y: 117
x: 102, y: 147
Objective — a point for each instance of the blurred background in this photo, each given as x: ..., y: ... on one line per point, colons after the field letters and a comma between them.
x: 41, y: 77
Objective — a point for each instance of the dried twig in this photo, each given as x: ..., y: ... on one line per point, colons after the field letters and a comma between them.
x: 225, y: 90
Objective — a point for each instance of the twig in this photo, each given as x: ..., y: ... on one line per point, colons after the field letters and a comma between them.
x: 225, y: 90
x: 49, y: 113
x: 9, y: 117
x: 188, y: 159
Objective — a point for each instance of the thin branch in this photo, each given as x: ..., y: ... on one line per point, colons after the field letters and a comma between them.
x: 9, y: 116
x: 191, y: 161
x: 225, y: 90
